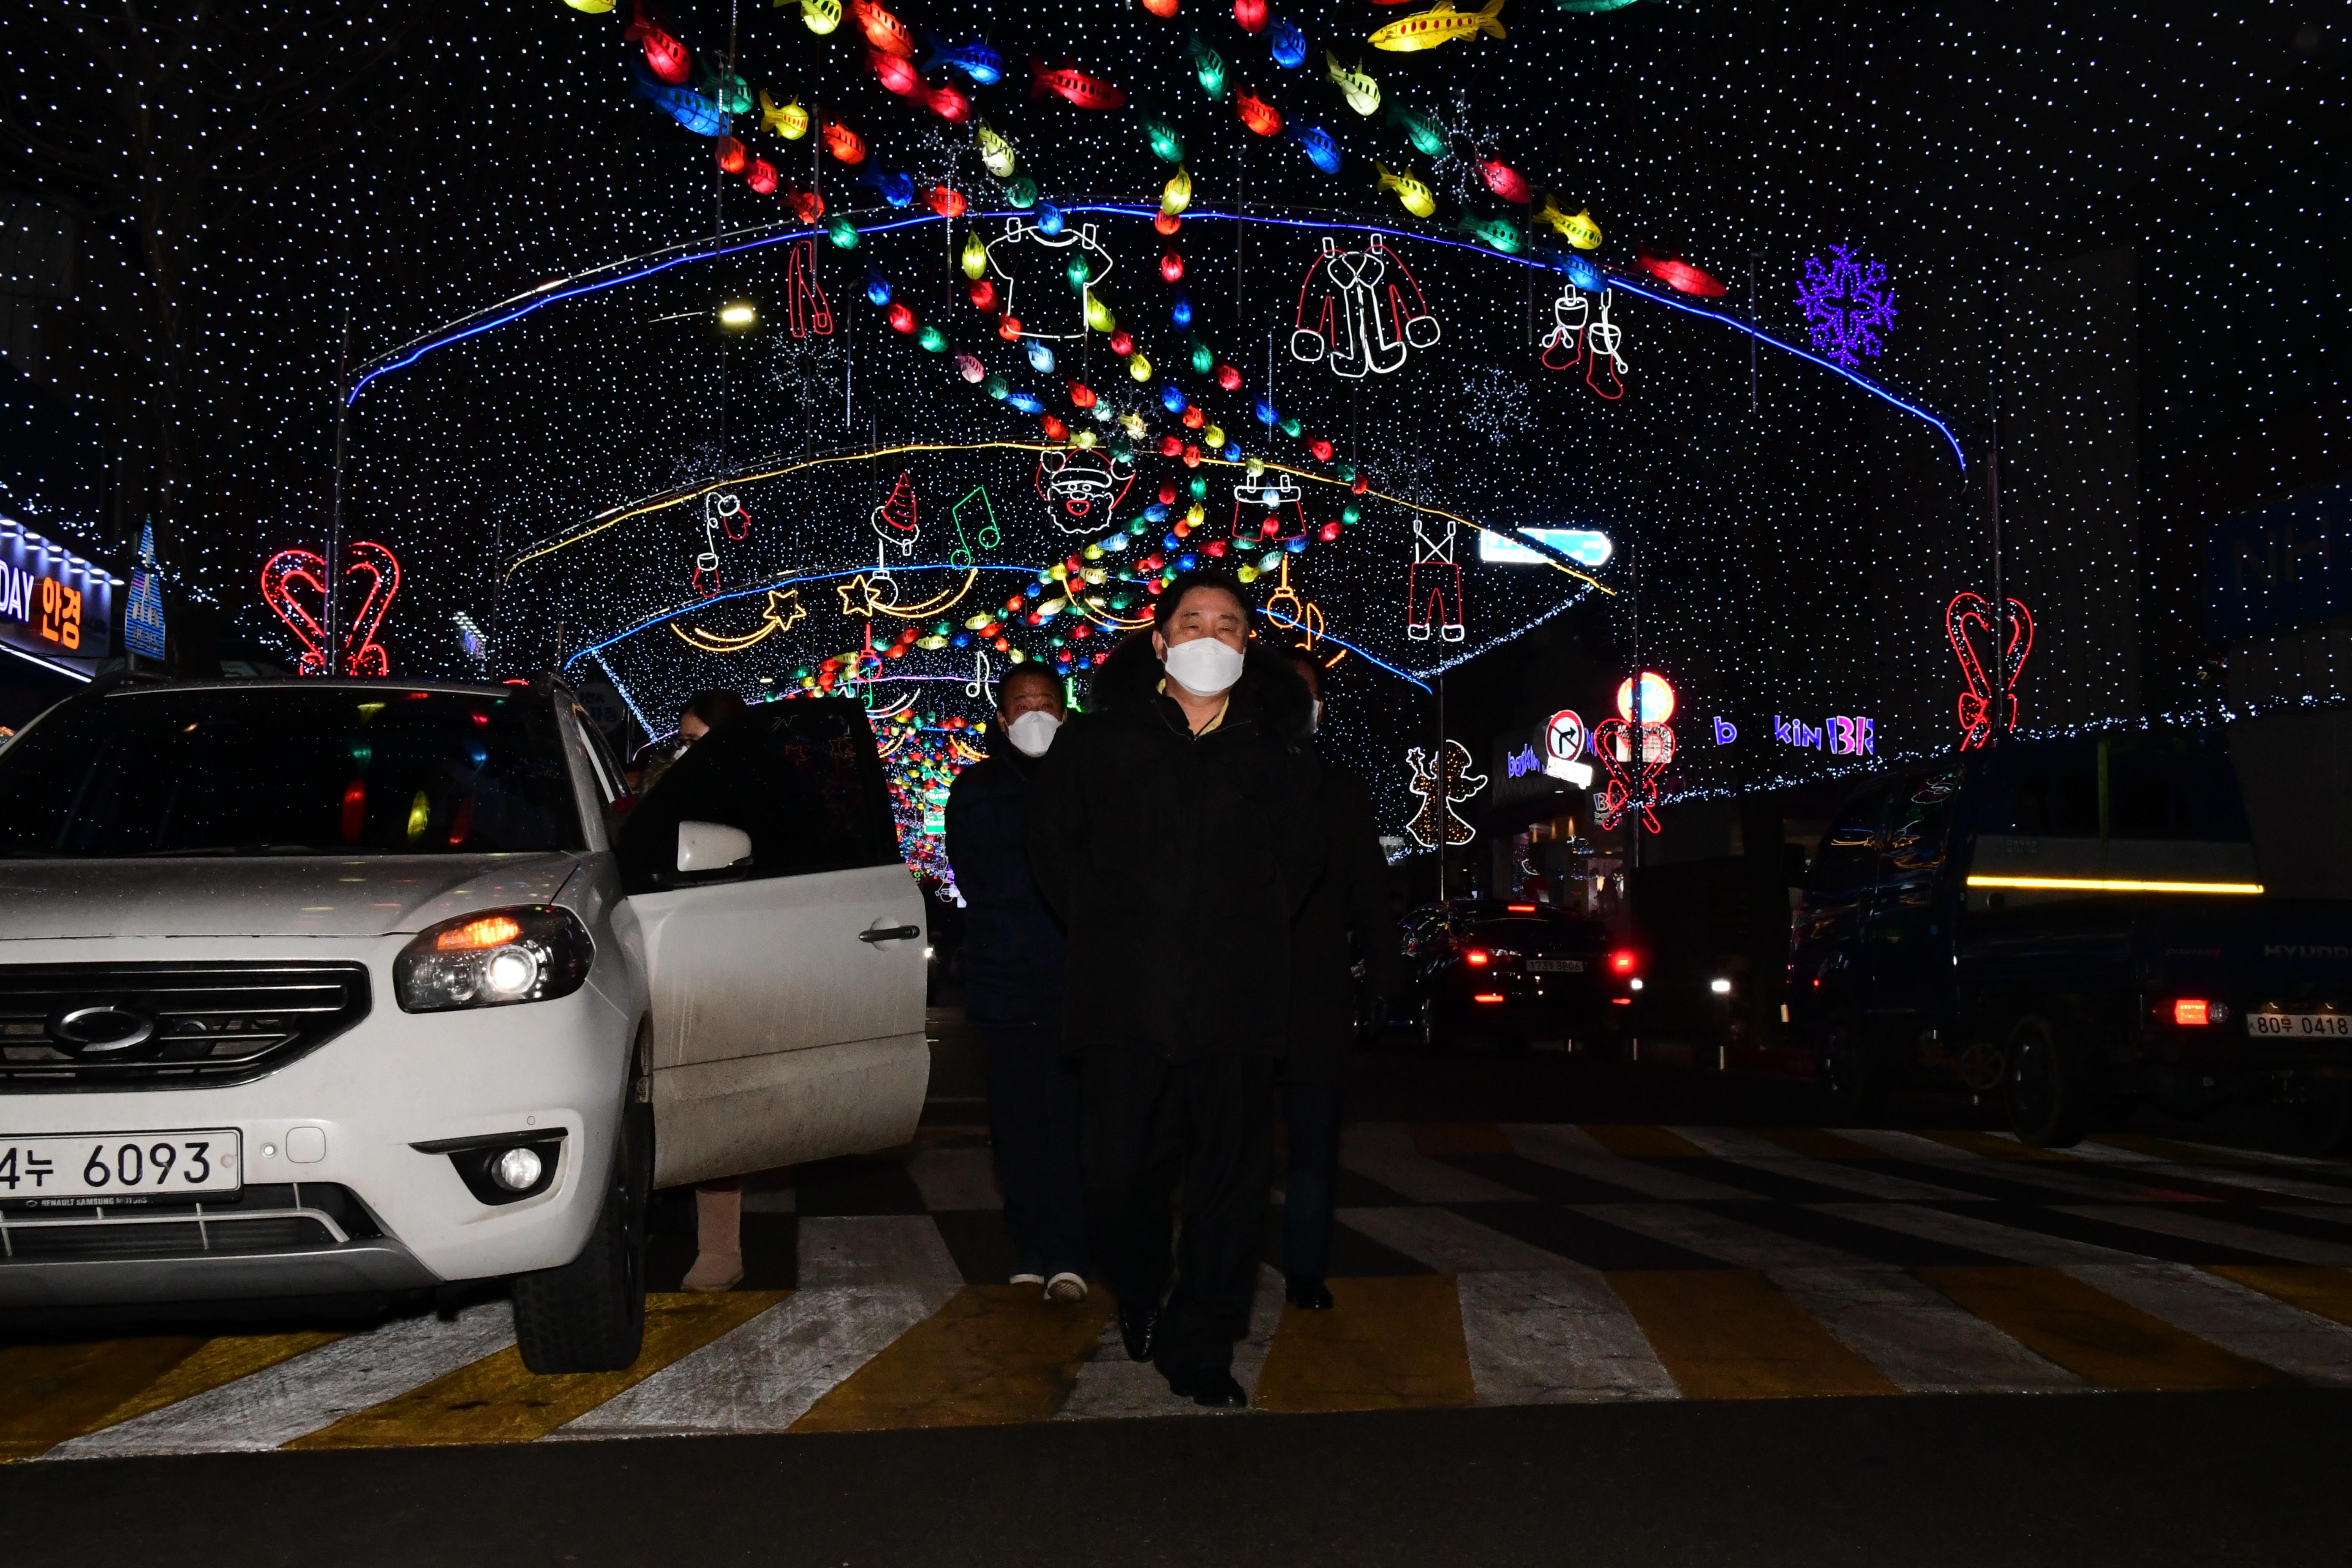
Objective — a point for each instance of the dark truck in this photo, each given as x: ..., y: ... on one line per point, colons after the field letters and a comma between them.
x: 2078, y: 924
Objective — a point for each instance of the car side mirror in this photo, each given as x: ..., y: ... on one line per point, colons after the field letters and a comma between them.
x: 1793, y: 865
x: 711, y: 847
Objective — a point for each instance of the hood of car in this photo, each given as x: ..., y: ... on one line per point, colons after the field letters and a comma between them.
x: 354, y: 896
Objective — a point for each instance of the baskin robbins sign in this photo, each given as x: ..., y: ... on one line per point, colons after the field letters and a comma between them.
x: 1838, y: 734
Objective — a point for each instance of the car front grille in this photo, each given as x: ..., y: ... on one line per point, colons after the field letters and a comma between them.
x: 286, y: 1216
x: 214, y: 1023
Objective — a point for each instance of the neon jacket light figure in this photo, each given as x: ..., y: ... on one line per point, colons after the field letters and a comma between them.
x: 1360, y: 310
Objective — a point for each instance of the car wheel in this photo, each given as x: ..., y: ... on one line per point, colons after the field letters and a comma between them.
x: 1429, y: 1027
x: 1842, y: 1062
x: 2051, y: 1096
x: 589, y: 1315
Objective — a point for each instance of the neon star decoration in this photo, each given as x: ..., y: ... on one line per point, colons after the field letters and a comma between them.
x: 1441, y: 788
x: 783, y: 611
x: 1968, y: 618
x: 1848, y: 304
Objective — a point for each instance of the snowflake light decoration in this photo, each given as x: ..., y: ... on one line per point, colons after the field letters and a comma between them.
x: 1847, y: 305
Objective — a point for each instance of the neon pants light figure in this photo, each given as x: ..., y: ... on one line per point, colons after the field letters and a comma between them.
x: 1433, y: 586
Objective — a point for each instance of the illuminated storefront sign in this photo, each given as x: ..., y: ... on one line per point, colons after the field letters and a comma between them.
x: 1582, y: 546
x: 1840, y: 735
x: 54, y: 606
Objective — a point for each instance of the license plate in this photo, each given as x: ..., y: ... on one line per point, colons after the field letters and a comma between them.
x: 120, y: 1164
x: 2299, y: 1026
x: 1555, y: 966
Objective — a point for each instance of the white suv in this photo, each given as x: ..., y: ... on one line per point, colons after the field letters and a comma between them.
x: 313, y: 987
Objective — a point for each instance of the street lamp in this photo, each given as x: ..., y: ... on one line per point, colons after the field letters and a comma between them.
x: 738, y: 316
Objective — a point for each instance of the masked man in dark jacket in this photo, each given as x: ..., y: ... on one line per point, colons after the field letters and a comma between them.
x: 1168, y: 829
x: 1012, y: 973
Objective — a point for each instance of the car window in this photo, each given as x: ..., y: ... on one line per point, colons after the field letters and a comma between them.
x: 2162, y: 784
x: 1848, y: 861
x: 272, y: 769
x: 801, y: 776
x: 609, y: 783
x: 1920, y: 825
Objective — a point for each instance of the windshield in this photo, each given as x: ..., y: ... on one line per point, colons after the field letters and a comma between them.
x: 288, y: 769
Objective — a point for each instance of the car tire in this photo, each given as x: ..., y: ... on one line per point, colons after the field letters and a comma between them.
x: 1429, y: 1029
x: 589, y: 1315
x: 2052, y: 1100
x: 1842, y: 1064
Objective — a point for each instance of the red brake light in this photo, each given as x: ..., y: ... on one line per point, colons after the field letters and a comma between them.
x: 2192, y: 1010
x: 1487, y: 997
x: 1625, y: 961
x: 1520, y: 908
x: 1478, y: 958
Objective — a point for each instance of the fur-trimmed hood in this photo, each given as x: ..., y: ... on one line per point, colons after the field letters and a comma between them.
x: 1130, y: 679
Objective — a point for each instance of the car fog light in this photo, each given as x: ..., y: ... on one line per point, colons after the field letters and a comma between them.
x: 1720, y: 987
x: 517, y: 1169
x: 509, y: 972
x: 1632, y: 985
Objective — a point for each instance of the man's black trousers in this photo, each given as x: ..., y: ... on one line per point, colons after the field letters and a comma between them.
x: 1154, y: 1126
x: 1033, y: 1125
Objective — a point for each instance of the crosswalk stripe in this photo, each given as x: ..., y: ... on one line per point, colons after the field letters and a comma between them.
x: 2012, y: 1242
x: 1390, y: 1342
x: 877, y: 1251
x: 1743, y: 1148
x: 300, y: 1394
x: 2255, y: 1239
x: 2323, y: 1293
x: 1109, y: 1386
x: 1640, y: 1141
x: 1447, y: 1242
x: 1454, y: 1140
x: 1727, y: 1334
x: 220, y: 1362
x: 1555, y: 1336
x: 50, y: 1393
x: 1915, y: 1335
x: 1712, y: 1235
x: 1817, y: 1142
x: 1573, y: 1149
x: 1384, y: 1152
x: 1992, y: 1146
x: 2222, y: 1311
x: 2114, y: 1343
x: 498, y: 1399
x: 994, y: 1354
x: 1959, y: 1152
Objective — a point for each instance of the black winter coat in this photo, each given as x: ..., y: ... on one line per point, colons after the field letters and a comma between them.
x: 1013, y: 942
x: 1347, y: 916
x: 1177, y: 861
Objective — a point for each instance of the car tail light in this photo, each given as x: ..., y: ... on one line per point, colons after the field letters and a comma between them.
x: 493, y: 959
x: 2193, y: 1010
x: 1625, y: 961
x: 1520, y: 908
x: 1487, y: 997
x: 1478, y: 958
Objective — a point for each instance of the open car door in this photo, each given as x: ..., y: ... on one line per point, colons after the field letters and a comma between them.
x: 784, y: 944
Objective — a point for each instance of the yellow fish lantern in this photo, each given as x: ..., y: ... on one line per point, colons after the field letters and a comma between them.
x: 1362, y: 93
x: 1133, y: 425
x: 788, y: 121
x: 593, y: 7
x: 1215, y: 434
x: 975, y: 257
x: 1255, y: 467
x: 1140, y: 368
x: 1578, y: 227
x: 1177, y: 194
x: 1440, y: 24
x: 1416, y: 196
x: 819, y: 16
x: 995, y: 153
x: 1098, y: 314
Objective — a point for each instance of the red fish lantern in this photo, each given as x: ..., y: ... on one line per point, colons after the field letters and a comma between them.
x: 1360, y: 484
x: 948, y: 104
x: 1009, y: 328
x: 981, y: 292
x: 1258, y: 114
x: 883, y: 30
x: 1505, y: 183
x: 1068, y: 82
x: 731, y: 156
x: 1170, y: 447
x: 844, y: 144
x: 1321, y: 448
x: 1251, y: 14
x: 1160, y: 8
x: 1329, y: 531
x: 1055, y: 429
x: 902, y: 320
x: 1081, y: 394
x: 1679, y: 274
x: 1228, y: 377
x: 1122, y: 344
x: 1167, y: 222
x: 944, y: 202
x: 1193, y: 418
x: 1167, y: 494
x: 1192, y: 456
x: 807, y: 205
x: 896, y: 72
x: 762, y: 177
x: 1171, y: 265
x: 664, y: 55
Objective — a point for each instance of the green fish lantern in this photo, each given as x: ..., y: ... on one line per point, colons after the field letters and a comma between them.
x: 1076, y: 270
x: 1204, y: 358
x: 1165, y: 145
x: 1427, y: 139
x: 1209, y: 66
x: 1362, y: 93
x: 995, y: 153
x: 1499, y: 232
x: 1021, y: 192
x: 844, y: 233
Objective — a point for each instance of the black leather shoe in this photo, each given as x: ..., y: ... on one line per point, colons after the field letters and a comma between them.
x: 1212, y: 1386
x: 1135, y: 1326
x: 1311, y: 1294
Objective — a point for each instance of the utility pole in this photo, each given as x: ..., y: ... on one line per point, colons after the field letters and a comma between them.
x: 1999, y: 586
x: 333, y: 651
x: 1440, y: 813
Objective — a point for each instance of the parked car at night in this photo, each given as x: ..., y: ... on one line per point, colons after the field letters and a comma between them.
x: 1515, y: 973
x: 343, y: 986
x: 2077, y: 924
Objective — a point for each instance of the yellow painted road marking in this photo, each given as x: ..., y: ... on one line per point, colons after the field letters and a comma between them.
x: 214, y: 1364
x: 1818, y: 1144
x: 2090, y: 1332
x: 1448, y: 1140
x: 50, y: 1393
x: 2323, y: 1293
x: 993, y: 1354
x: 498, y: 1399
x: 1631, y: 1138
x: 1994, y: 1148
x: 1392, y: 1342
x: 1724, y: 1333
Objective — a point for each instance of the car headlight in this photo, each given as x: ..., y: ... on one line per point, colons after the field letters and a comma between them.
x: 493, y: 959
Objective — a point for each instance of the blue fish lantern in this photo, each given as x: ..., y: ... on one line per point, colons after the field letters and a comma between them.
x: 688, y: 108
x: 1041, y: 358
x: 1171, y: 398
x: 1289, y: 44
x: 975, y: 59
x: 1233, y: 451
x: 1181, y: 312
x: 1266, y: 415
x: 1024, y: 401
x: 877, y: 288
x: 1049, y: 218
x: 1583, y: 274
x: 898, y: 190
x: 1155, y: 512
x: 1320, y: 149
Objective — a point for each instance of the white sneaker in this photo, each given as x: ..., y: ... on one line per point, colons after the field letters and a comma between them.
x: 1028, y: 1280
x: 1065, y: 1286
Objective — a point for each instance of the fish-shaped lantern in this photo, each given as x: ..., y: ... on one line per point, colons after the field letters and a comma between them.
x: 730, y: 92
x: 1258, y: 114
x: 593, y: 7
x: 945, y: 202
x: 1362, y: 93
x: 898, y: 190
x: 877, y: 290
x: 788, y: 121
x: 1288, y: 44
x: 842, y: 232
x: 820, y: 17
x: 846, y: 145
x: 896, y: 72
x: 1177, y: 194
x: 664, y: 55
x: 1576, y: 227
x: 1416, y: 196
x: 975, y: 59
x: 1320, y: 149
x: 1165, y: 145
x: 996, y: 154
x: 762, y: 176
x: 1208, y: 65
x: 974, y: 260
x: 1250, y: 14
x: 732, y: 156
x: 947, y: 100
x: 1021, y: 192
x: 1041, y: 358
x: 807, y: 205
x: 1440, y: 24
x: 1427, y: 136
x: 1573, y: 268
x: 1066, y: 80
x: 1679, y: 274
x: 1494, y: 230
x: 883, y: 30
x: 1049, y: 218
x: 683, y: 104
x: 1171, y: 265
x: 1504, y: 182
x: 1160, y: 8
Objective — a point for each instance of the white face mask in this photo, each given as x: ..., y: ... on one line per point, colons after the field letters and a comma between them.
x: 1203, y: 666
x: 1314, y: 718
x: 1031, y: 732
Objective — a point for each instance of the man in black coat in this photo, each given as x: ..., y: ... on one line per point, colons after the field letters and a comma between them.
x: 1013, y: 988
x: 1168, y: 829
x: 1347, y: 915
